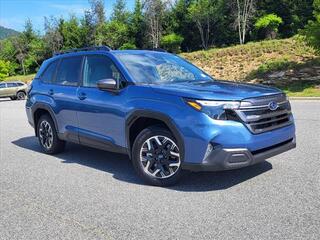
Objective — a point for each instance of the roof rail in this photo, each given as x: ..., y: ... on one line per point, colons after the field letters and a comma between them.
x: 157, y: 49
x: 102, y: 48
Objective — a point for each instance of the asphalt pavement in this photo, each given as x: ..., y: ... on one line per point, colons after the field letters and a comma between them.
x: 85, y: 193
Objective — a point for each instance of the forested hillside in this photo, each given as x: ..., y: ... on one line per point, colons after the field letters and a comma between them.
x: 7, y: 32
x: 226, y: 36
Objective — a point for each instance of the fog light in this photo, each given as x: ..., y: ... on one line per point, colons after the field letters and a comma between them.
x: 208, y: 151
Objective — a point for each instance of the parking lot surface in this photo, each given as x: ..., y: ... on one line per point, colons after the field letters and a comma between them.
x: 85, y: 193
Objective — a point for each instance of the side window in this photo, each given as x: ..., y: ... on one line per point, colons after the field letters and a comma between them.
x: 2, y: 85
x: 98, y: 68
x: 69, y: 71
x: 9, y: 85
x: 47, y: 76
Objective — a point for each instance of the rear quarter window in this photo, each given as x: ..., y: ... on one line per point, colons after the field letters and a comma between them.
x: 48, y: 74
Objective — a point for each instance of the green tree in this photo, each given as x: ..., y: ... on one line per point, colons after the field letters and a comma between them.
x: 97, y: 11
x: 137, y: 25
x: 4, y: 69
x: 172, y: 42
x: 113, y: 34
x: 205, y: 14
x: 36, y: 55
x: 312, y: 29
x: 71, y: 33
x: 154, y: 15
x: 120, y: 12
x: 181, y: 24
x: 269, y: 24
x: 88, y: 29
x: 22, y: 45
x: 127, y: 46
x: 8, y: 53
x: 53, y: 37
x: 294, y: 13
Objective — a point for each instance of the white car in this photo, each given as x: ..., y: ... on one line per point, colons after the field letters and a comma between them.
x: 13, y: 89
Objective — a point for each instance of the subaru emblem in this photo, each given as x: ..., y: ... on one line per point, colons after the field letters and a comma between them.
x: 273, y: 106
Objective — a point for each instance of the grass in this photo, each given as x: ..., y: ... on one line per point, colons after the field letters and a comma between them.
x: 301, y: 89
x: 24, y: 78
x: 237, y: 62
x: 255, y: 60
x: 279, y: 65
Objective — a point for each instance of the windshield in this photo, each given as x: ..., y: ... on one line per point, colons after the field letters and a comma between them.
x: 158, y: 68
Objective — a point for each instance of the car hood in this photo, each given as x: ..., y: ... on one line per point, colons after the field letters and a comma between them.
x: 215, y: 90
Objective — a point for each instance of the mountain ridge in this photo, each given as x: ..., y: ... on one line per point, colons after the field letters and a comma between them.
x: 7, y: 32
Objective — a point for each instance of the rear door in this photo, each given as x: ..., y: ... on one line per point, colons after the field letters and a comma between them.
x: 63, y: 91
x: 12, y: 89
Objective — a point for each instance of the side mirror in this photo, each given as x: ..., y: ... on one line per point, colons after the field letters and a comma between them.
x: 107, y: 84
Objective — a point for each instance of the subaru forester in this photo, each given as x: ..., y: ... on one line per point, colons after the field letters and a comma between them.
x: 166, y: 114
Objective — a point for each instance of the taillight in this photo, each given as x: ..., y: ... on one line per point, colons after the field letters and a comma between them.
x: 29, y: 88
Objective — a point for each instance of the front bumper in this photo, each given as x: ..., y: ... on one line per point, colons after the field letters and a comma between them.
x: 232, y: 158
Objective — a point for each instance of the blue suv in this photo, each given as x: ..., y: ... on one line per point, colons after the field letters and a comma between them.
x: 163, y: 112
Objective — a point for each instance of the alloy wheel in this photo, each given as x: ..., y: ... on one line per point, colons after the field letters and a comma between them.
x: 21, y: 95
x: 46, y: 134
x: 160, y: 157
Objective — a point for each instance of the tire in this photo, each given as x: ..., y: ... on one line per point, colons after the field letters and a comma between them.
x: 48, y: 137
x: 21, y: 95
x: 156, y: 157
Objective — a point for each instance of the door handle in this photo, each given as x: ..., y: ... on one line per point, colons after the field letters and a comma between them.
x: 50, y: 92
x: 82, y: 96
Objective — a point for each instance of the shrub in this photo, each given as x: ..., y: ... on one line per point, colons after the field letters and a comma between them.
x: 128, y: 46
x: 4, y: 69
x: 172, y: 42
x: 270, y: 24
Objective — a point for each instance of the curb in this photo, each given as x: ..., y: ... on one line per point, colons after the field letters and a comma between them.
x: 304, y: 98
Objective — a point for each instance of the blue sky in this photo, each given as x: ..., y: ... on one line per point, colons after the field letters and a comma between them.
x: 13, y: 13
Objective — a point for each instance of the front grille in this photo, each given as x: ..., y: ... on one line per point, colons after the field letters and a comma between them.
x: 258, y: 117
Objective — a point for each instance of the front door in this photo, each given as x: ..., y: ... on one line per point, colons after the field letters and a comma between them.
x: 101, y: 114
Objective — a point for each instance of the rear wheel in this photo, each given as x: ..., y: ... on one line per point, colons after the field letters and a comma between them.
x: 156, y: 156
x: 21, y: 95
x: 47, y: 135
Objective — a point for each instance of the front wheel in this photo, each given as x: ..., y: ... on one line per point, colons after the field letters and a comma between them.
x: 156, y: 156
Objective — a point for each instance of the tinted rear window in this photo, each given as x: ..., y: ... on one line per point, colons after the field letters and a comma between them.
x: 48, y: 74
x: 2, y: 85
x: 69, y: 71
x: 11, y: 84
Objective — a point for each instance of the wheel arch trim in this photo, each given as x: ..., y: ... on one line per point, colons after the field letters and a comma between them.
x: 135, y: 115
x: 46, y: 107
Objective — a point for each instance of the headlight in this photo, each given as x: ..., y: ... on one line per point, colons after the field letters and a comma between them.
x: 214, y: 109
